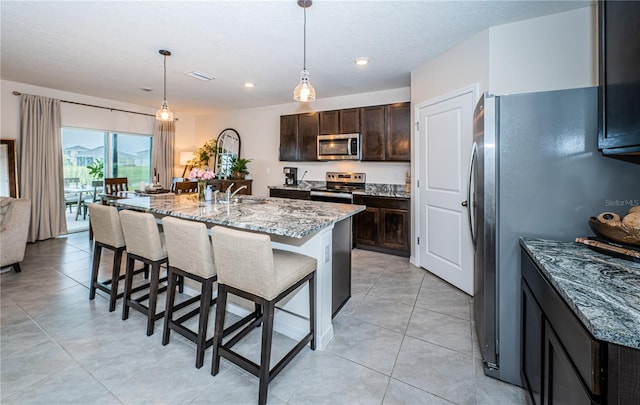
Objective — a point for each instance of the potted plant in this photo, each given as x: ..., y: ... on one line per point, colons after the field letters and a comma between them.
x: 96, y: 171
x: 202, y: 156
x: 238, y: 168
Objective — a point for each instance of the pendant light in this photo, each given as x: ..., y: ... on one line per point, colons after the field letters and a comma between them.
x: 304, y: 91
x: 164, y: 113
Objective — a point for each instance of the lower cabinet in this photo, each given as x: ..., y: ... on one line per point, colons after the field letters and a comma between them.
x: 295, y: 194
x: 562, y: 363
x: 384, y: 225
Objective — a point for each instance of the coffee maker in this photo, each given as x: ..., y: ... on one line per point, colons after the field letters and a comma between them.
x: 290, y: 176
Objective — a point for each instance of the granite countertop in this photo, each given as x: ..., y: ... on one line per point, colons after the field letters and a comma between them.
x: 371, y: 189
x: 603, y: 291
x: 275, y: 216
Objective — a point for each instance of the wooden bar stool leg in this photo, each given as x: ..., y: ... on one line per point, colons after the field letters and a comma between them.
x: 97, y: 251
x: 115, y: 278
x: 265, y: 357
x: 219, y: 329
x: 168, y: 312
x: 128, y: 284
x: 205, y: 303
x: 312, y: 310
x: 153, y: 297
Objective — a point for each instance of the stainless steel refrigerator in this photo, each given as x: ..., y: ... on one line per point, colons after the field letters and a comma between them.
x: 535, y: 172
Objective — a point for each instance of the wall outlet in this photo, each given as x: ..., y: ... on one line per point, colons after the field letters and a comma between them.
x: 327, y: 254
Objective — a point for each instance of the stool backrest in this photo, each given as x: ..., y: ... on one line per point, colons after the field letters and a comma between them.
x: 114, y: 185
x: 244, y: 260
x: 105, y: 223
x: 188, y: 246
x: 142, y: 235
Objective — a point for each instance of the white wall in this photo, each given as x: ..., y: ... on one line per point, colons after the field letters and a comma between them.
x: 259, y: 130
x: 88, y: 117
x: 554, y: 52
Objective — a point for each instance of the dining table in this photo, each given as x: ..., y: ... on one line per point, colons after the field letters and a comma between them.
x: 318, y: 229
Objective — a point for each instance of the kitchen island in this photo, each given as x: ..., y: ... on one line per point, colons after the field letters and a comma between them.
x: 317, y: 229
x: 580, y: 324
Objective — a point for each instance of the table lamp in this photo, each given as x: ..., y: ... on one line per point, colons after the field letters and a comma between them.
x: 185, y: 157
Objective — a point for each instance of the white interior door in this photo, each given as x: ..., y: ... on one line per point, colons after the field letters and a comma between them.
x: 444, y: 141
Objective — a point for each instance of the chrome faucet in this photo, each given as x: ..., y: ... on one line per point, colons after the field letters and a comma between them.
x: 234, y: 193
x: 229, y: 195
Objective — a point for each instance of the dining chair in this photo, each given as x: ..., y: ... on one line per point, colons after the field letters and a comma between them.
x: 115, y: 185
x: 186, y: 187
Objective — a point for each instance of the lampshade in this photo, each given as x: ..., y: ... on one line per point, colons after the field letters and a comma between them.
x: 185, y: 157
x: 304, y: 91
x: 164, y: 113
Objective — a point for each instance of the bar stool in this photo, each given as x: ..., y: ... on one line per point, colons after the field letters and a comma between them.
x: 249, y: 268
x: 108, y: 234
x: 190, y: 255
x: 145, y: 243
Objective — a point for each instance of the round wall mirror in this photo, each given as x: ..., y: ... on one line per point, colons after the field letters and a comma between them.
x: 227, y: 148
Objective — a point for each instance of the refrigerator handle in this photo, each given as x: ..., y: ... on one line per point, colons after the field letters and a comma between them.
x: 469, y: 204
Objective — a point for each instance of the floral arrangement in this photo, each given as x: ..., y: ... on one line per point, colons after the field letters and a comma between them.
x: 201, y: 174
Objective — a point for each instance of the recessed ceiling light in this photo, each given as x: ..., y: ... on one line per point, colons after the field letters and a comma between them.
x: 249, y: 85
x: 361, y: 61
x: 200, y: 76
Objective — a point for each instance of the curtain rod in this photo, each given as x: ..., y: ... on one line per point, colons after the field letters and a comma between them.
x: 17, y: 93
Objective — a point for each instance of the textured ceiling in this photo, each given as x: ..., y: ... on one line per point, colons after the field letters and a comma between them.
x: 109, y: 49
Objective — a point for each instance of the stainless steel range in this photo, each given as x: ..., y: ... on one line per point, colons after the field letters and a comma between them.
x: 339, y: 187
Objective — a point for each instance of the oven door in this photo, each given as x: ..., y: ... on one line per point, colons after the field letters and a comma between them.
x: 332, y: 196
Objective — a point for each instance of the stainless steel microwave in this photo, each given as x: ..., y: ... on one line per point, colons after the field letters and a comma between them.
x: 339, y: 147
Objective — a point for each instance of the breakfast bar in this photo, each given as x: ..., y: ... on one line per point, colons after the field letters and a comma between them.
x: 317, y: 229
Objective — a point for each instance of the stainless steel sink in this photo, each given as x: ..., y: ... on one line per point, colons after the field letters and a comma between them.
x: 251, y: 201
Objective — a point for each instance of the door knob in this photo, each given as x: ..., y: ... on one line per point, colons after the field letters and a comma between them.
x: 465, y: 203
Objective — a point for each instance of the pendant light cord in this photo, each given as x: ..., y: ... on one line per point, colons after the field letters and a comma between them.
x: 165, y: 78
x: 304, y: 59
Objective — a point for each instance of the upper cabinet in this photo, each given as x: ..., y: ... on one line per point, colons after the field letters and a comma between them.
x: 298, y: 135
x: 340, y: 121
x: 619, y: 132
x: 386, y: 132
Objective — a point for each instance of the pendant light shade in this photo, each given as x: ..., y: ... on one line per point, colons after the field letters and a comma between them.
x: 304, y: 91
x: 164, y: 113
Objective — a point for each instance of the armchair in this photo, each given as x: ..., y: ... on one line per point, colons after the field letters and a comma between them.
x: 15, y: 216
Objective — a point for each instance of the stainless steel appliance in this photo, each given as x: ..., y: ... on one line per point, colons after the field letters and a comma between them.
x: 339, y: 147
x: 339, y: 187
x: 290, y: 176
x: 535, y: 172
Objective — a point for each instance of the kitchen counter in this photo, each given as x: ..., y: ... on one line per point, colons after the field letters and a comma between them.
x: 602, y: 291
x: 371, y: 189
x: 274, y: 216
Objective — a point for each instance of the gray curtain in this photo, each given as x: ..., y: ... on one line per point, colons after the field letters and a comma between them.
x: 162, y: 152
x: 41, y: 174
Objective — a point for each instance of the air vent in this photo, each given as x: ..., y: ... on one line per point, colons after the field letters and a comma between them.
x: 200, y: 76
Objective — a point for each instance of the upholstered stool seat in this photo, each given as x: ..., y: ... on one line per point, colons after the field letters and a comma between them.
x: 249, y: 268
x: 108, y: 234
x: 145, y: 243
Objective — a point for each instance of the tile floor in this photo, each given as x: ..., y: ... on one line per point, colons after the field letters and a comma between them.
x: 405, y: 337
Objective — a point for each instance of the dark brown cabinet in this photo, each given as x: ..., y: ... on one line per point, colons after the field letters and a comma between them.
x: 398, y: 132
x: 350, y: 121
x: 295, y: 194
x: 298, y: 135
x: 372, y: 129
x: 386, y: 132
x: 562, y: 363
x: 329, y: 122
x: 289, y: 137
x: 619, y: 133
x: 384, y: 225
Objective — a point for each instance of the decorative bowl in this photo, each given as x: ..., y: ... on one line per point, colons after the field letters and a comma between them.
x: 620, y: 234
